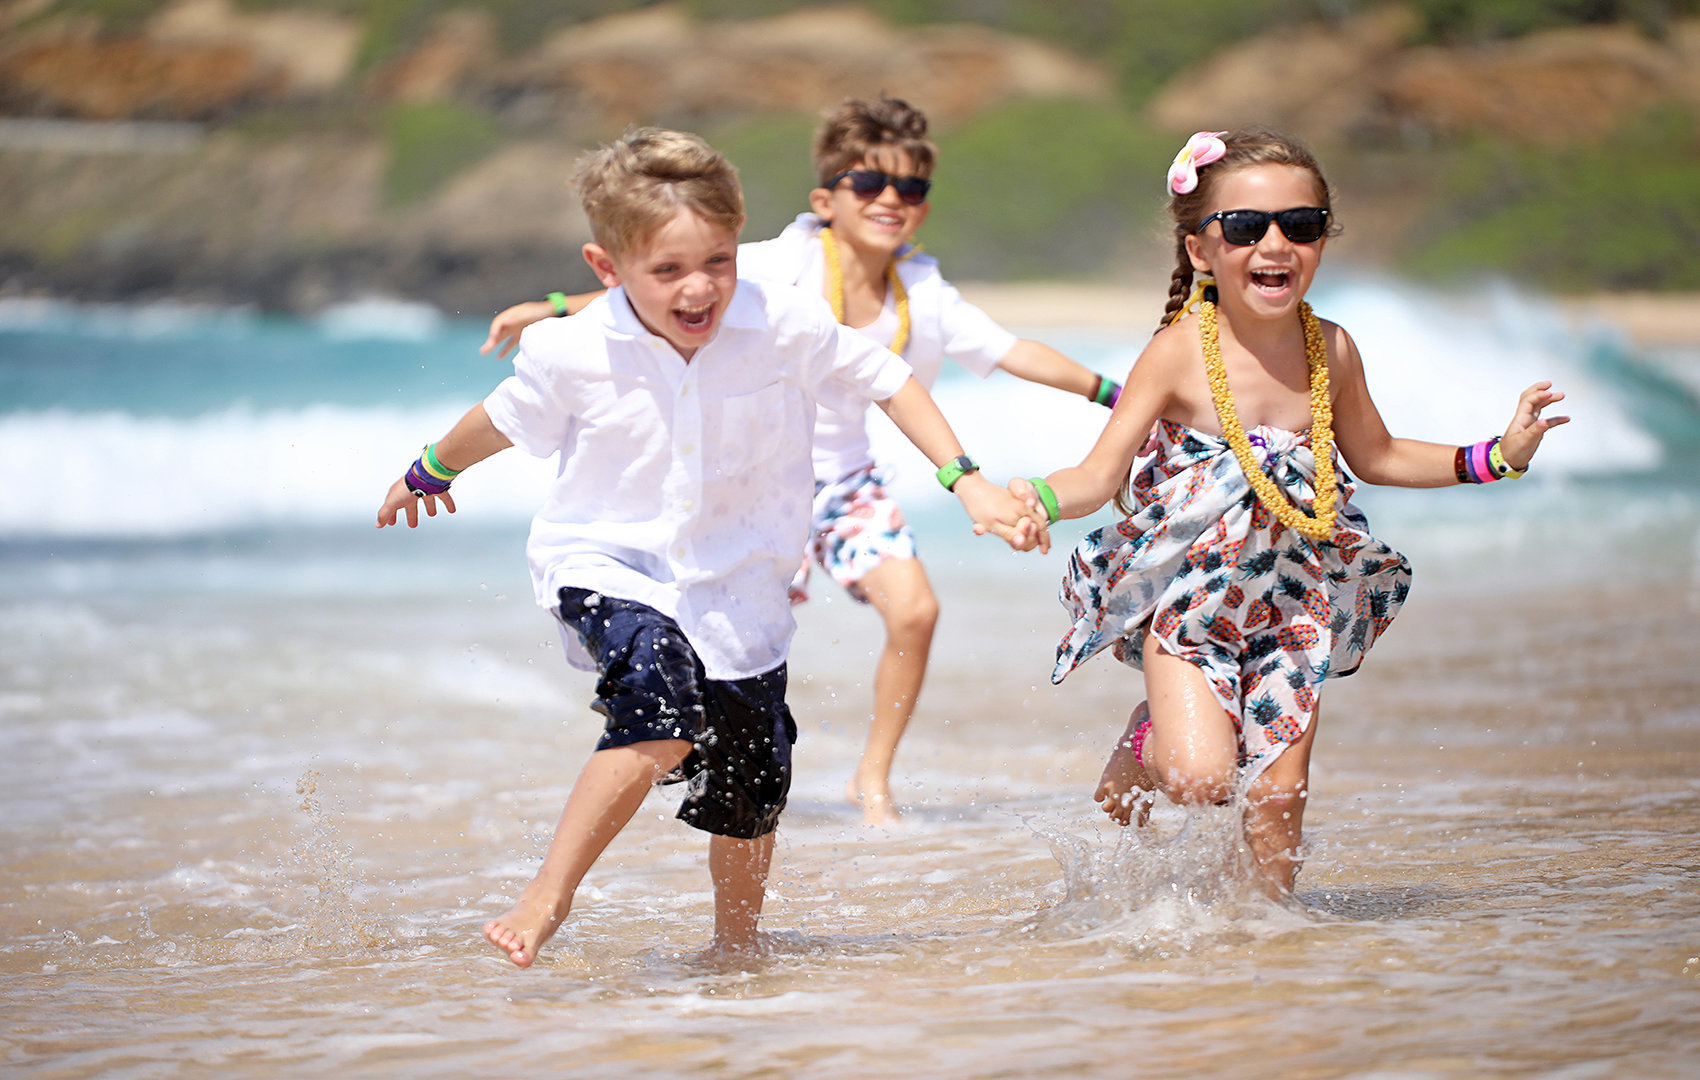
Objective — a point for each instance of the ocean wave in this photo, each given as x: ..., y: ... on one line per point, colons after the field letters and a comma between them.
x: 288, y: 429
x: 114, y: 475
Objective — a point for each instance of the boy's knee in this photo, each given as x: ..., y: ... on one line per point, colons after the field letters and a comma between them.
x: 916, y: 617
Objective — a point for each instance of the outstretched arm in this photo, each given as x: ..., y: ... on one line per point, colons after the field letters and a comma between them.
x: 1379, y: 458
x: 1081, y: 489
x: 990, y: 507
x: 506, y: 326
x: 1039, y: 363
x: 471, y: 440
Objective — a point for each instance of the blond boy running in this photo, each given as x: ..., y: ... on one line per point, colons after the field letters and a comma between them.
x: 873, y: 161
x: 666, y: 543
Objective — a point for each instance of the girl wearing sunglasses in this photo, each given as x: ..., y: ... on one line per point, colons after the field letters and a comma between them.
x: 1242, y: 576
x: 855, y: 247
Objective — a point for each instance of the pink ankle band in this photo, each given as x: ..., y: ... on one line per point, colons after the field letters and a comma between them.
x: 1142, y: 729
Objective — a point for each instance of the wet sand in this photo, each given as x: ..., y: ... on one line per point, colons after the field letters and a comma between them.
x: 1506, y: 831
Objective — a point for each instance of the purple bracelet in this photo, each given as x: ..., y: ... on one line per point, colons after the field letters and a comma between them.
x: 420, y: 481
x: 1477, y: 462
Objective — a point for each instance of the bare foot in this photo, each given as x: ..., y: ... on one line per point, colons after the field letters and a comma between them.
x: 878, y: 808
x: 1127, y: 786
x: 525, y: 928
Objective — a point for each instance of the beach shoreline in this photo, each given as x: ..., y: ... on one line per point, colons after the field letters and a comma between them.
x: 1649, y: 320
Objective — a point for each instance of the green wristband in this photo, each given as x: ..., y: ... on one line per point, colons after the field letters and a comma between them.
x: 437, y: 468
x: 1048, y: 498
x: 954, y: 469
x: 560, y: 302
x: 1106, y: 392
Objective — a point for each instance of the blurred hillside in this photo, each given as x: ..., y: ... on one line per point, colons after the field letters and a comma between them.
x: 296, y: 154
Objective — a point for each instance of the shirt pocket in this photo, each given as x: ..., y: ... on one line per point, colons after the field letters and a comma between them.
x: 763, y: 432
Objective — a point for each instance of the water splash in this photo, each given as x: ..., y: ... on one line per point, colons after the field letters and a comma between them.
x: 334, y: 918
x: 1160, y: 889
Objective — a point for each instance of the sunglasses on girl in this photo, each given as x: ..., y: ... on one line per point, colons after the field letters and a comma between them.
x: 1243, y: 228
x: 869, y: 183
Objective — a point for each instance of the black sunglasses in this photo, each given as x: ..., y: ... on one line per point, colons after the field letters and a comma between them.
x: 869, y: 183
x: 1243, y: 228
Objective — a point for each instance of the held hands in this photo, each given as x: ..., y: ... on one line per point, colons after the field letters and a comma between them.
x: 402, y: 499
x: 1023, y: 491
x: 1523, y: 437
x: 996, y: 511
x: 505, y: 327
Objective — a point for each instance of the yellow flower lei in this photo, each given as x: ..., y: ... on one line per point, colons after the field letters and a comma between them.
x: 835, y: 288
x: 1321, y: 526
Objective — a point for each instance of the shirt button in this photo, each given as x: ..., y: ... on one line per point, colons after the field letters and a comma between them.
x: 689, y: 503
x: 688, y: 448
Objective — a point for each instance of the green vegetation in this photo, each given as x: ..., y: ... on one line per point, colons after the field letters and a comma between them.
x: 1456, y: 21
x: 1621, y: 215
x: 429, y: 143
x: 1051, y: 188
x: 1044, y: 188
x: 1144, y: 42
x: 772, y: 156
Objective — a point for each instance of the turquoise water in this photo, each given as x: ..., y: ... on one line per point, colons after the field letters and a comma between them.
x: 212, y: 430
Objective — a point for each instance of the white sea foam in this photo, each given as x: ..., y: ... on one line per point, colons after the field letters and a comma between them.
x: 1437, y: 372
x: 114, y: 475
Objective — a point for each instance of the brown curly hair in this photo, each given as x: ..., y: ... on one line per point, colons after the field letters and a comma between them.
x: 859, y: 128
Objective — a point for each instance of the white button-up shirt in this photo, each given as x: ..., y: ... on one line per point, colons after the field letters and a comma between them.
x: 941, y: 325
x: 685, y: 486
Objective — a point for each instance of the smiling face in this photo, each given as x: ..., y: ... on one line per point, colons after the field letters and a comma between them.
x: 678, y: 281
x: 1269, y: 278
x: 880, y: 225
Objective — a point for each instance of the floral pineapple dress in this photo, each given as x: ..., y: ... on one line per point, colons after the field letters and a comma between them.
x: 1266, y: 613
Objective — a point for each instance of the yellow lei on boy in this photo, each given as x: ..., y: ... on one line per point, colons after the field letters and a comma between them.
x: 835, y: 288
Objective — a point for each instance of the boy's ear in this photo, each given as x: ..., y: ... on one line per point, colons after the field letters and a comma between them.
x: 602, y: 265
x: 1195, y: 252
x: 820, y: 201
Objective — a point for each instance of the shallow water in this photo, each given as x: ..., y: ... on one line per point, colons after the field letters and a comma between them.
x: 263, y: 845
x: 265, y: 771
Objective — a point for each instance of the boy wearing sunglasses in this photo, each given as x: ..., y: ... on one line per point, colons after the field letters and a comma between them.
x: 855, y: 246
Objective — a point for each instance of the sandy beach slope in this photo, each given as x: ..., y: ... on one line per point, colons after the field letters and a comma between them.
x: 1651, y: 320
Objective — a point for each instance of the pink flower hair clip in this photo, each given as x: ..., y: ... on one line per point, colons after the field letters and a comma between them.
x: 1199, y: 151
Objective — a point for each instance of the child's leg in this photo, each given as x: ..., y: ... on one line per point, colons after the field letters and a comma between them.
x: 899, y: 590
x: 604, y: 798
x: 1126, y: 784
x: 1192, y: 750
x: 1275, y: 812
x: 739, y: 868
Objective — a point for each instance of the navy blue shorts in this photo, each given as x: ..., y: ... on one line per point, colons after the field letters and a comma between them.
x: 652, y: 686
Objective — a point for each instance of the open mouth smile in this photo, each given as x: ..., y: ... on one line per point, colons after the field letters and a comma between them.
x: 694, y: 320
x: 1271, y: 280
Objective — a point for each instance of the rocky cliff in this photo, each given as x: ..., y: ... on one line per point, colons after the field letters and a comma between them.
x: 229, y: 154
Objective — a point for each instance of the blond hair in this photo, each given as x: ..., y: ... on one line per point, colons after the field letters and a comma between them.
x: 859, y: 129
x: 636, y: 184
x: 1245, y: 149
